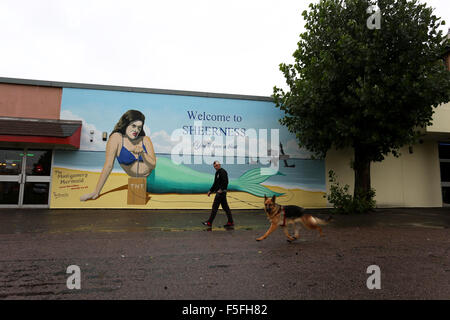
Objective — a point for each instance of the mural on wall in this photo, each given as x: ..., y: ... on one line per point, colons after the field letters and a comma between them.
x: 143, y: 150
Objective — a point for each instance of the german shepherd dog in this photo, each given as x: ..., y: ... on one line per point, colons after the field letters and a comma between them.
x: 289, y: 215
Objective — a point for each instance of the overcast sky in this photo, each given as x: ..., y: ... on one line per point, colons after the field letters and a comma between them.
x: 232, y: 46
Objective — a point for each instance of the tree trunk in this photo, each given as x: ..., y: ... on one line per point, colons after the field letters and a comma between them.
x: 361, y: 166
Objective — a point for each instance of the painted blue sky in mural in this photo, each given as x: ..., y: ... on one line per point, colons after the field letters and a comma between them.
x: 100, y: 110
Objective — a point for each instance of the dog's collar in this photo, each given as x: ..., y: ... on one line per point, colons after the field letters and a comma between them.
x: 282, y: 213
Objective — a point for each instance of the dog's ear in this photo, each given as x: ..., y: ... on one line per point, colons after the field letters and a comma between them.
x: 273, y: 198
x: 265, y: 197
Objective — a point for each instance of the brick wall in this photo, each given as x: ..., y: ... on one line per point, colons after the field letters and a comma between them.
x: 27, y: 101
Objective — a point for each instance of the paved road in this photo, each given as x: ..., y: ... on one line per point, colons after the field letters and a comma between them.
x: 130, y: 254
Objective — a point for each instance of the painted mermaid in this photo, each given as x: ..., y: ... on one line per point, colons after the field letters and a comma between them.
x: 131, y: 147
x: 134, y: 150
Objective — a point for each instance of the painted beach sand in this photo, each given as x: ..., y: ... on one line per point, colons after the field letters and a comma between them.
x: 69, y: 185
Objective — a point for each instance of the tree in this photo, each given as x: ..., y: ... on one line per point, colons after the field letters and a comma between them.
x: 371, y: 90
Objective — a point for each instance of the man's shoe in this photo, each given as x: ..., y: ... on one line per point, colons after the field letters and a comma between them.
x: 206, y: 223
x: 229, y: 225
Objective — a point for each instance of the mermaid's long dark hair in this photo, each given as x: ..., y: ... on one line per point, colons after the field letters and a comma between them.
x: 127, y: 118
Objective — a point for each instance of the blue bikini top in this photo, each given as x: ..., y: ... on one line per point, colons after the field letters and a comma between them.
x: 126, y: 157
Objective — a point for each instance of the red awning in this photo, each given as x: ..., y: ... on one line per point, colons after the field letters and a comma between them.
x: 59, y: 134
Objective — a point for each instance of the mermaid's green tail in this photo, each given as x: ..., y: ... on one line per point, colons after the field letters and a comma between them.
x: 169, y: 177
x: 250, y: 182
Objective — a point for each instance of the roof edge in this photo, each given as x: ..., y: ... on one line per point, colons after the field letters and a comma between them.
x: 59, y: 121
x: 59, y: 84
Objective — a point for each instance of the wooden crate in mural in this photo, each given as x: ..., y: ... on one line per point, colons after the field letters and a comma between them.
x: 137, y: 191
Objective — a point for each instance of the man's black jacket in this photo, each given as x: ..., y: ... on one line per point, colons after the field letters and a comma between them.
x: 220, y: 181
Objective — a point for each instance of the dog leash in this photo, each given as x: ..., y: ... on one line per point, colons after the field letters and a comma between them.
x: 246, y: 202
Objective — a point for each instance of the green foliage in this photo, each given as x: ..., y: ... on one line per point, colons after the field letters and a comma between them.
x: 374, y: 89
x: 344, y: 203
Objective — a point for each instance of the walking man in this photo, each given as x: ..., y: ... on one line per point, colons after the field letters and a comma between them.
x: 220, y: 187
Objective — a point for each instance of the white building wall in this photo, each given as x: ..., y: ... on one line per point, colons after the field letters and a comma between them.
x: 412, y: 180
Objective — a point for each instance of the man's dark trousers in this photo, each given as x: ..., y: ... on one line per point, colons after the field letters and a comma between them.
x: 220, y: 199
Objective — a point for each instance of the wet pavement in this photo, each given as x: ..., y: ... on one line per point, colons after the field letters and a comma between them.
x: 168, y: 254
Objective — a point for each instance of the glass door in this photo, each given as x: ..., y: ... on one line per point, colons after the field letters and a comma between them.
x: 444, y: 158
x: 11, y: 165
x: 25, y: 178
x: 36, y: 182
